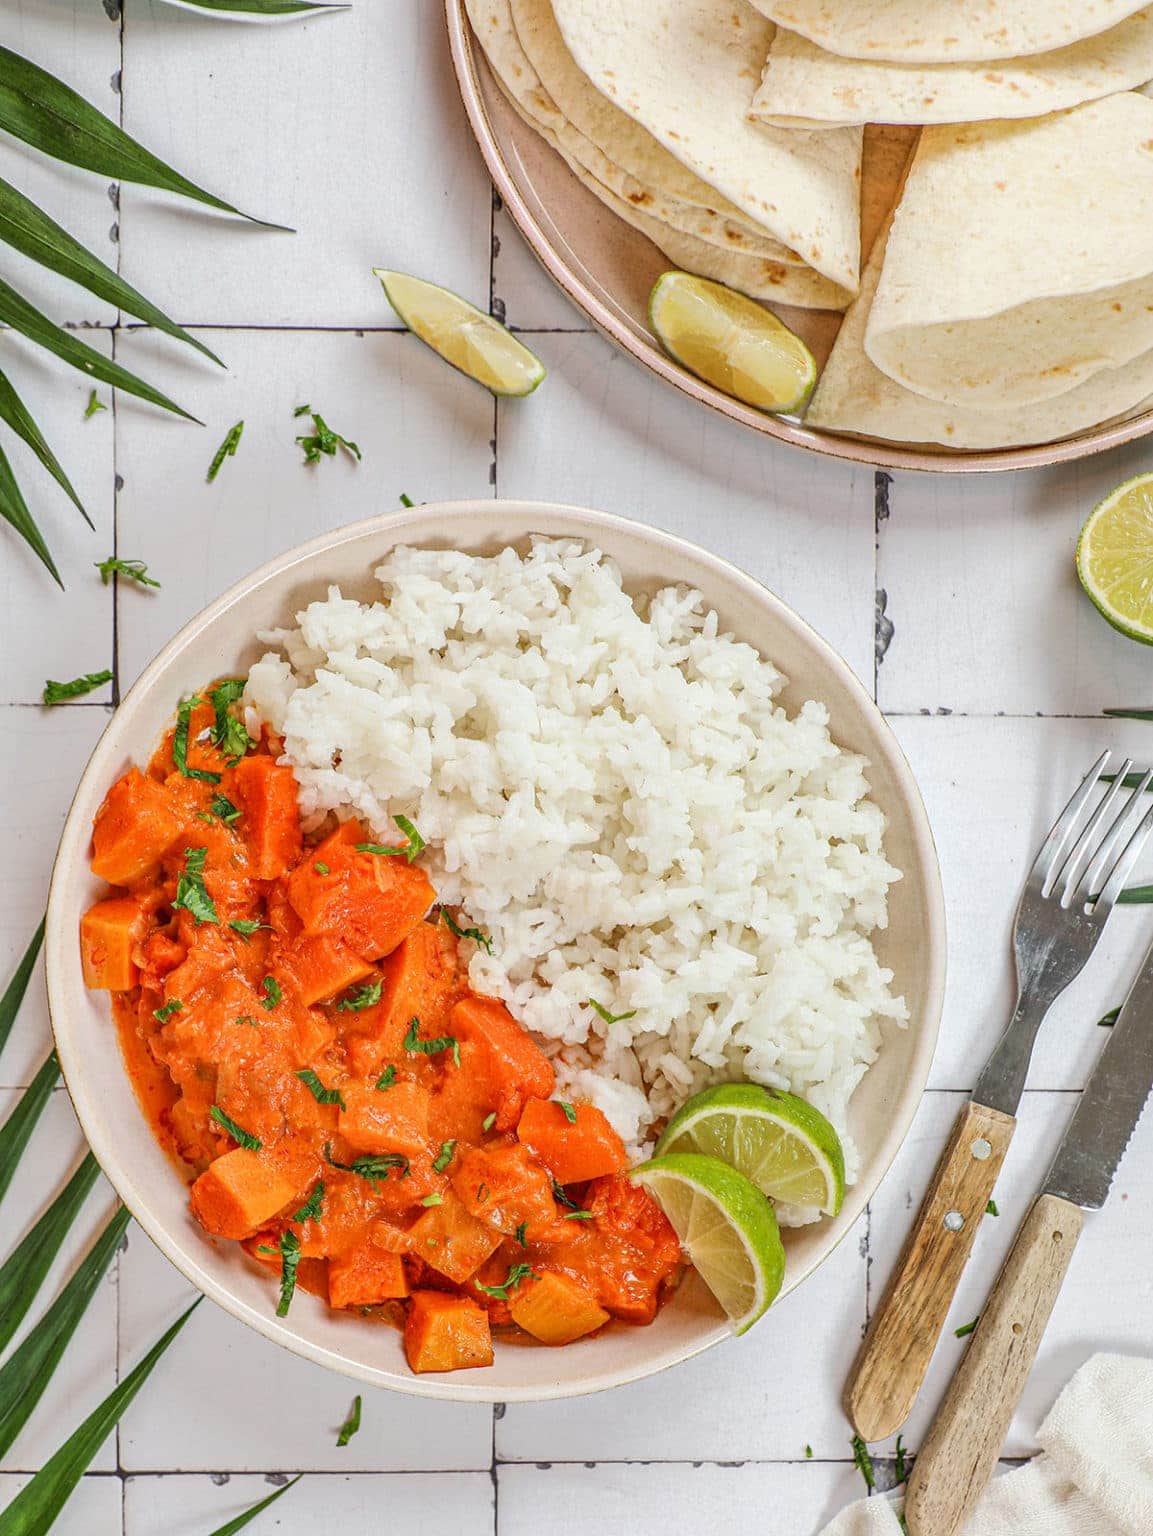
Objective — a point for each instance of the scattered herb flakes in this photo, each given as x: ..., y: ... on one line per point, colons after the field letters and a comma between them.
x: 246, y: 1018
x: 483, y: 939
x: 163, y: 1014
x: 1108, y: 1020
x: 406, y: 500
x: 180, y: 743
x: 272, y: 993
x: 410, y: 850
x: 808, y: 1453
x: 350, y: 1425
x: 489, y: 1121
x: 191, y: 891
x: 322, y: 441
x: 228, y: 734
x: 223, y: 808
x: 360, y: 998
x: 568, y: 1111
x: 966, y: 1329
x: 374, y: 1169
x: 445, y: 1156
x: 431, y: 1047
x: 482, y: 1193
x: 247, y: 926
x: 131, y: 570
x: 610, y: 1018
x: 289, y: 1250
x: 433, y: 1200
x: 319, y: 1092
x: 560, y: 1196
x: 900, y: 1462
x: 313, y: 1207
x: 386, y: 1079
x: 516, y: 1273
x: 227, y: 450
x: 94, y: 405
x: 863, y: 1462
x: 578, y: 1216
x: 237, y: 1132
x: 321, y: 867
x: 57, y: 693
x: 991, y: 1209
x: 519, y: 1234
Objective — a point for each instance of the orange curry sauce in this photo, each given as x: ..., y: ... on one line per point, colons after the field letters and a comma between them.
x: 304, y: 1042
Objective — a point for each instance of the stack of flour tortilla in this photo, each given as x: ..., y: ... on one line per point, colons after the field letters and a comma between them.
x: 971, y: 181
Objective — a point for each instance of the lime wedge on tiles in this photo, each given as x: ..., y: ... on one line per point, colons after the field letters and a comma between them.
x: 726, y: 1227
x: 1115, y: 558
x: 463, y: 335
x: 731, y: 342
x: 779, y: 1141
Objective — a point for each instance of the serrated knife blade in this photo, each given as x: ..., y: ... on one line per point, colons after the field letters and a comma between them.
x: 1111, y: 1104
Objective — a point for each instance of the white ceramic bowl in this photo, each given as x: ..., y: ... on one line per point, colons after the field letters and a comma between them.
x: 222, y: 639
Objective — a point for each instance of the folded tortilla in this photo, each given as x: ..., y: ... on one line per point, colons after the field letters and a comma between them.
x: 686, y: 70
x: 854, y: 396
x: 805, y: 86
x: 1020, y: 261
x: 946, y: 31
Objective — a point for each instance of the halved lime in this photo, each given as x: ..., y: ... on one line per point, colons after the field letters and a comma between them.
x: 463, y: 335
x: 731, y: 342
x: 779, y: 1141
x: 726, y: 1227
x: 1115, y: 558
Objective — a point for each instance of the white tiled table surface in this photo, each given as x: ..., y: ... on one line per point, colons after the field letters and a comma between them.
x: 954, y: 600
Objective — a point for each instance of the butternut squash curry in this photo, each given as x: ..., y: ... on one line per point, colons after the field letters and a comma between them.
x: 297, y: 1023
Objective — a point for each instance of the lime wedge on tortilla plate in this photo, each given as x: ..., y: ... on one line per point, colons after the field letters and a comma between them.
x: 463, y: 335
x: 1115, y: 558
x: 731, y: 342
x: 779, y: 1141
x: 727, y: 1229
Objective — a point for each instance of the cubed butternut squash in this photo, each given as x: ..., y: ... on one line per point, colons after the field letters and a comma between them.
x: 135, y: 827
x: 445, y: 1333
x: 372, y: 901
x: 555, y: 1309
x: 517, y: 1068
x: 417, y: 981
x: 452, y: 1241
x: 573, y: 1150
x: 241, y: 1190
x: 395, y: 1120
x: 365, y: 1276
x: 270, y: 820
x: 109, y: 932
x: 504, y: 1186
x: 324, y: 966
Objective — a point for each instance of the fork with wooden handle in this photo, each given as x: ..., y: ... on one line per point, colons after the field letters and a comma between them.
x: 1068, y: 897
x: 959, y: 1454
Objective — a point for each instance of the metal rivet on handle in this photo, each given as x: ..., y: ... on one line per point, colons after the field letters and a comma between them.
x: 954, y: 1221
x: 981, y: 1149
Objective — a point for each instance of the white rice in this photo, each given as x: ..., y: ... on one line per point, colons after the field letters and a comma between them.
x: 609, y: 790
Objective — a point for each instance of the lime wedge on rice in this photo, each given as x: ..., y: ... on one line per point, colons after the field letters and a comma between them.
x: 726, y: 1227
x: 779, y: 1141
x: 463, y: 335
x: 731, y: 342
x: 1115, y: 558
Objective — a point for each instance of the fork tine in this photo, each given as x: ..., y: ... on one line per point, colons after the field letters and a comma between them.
x: 1054, y: 846
x: 1128, y: 856
x: 1083, y: 849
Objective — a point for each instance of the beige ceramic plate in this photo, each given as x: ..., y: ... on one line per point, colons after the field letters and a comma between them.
x: 222, y: 639
x: 608, y: 269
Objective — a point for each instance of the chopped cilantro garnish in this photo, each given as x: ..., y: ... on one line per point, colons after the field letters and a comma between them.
x: 228, y: 733
x: 482, y: 1193
x: 361, y: 997
x: 322, y: 439
x: 519, y: 1234
x: 578, y: 1216
x: 246, y: 926
x: 900, y: 1461
x: 162, y: 1015
x: 568, y: 1110
x: 227, y: 450
x: 431, y: 1047
x: 562, y: 1198
x: 406, y: 500
x: 991, y: 1209
x: 386, y: 1079
x: 442, y: 1159
x: 966, y: 1328
x: 863, y: 1462
x: 808, y: 1453
x: 319, y: 1092
x: 237, y: 1132
x: 223, y: 807
x: 289, y: 1249
x: 489, y: 1121
x: 313, y: 1207
x: 474, y: 934
x: 133, y: 570
x: 610, y: 1018
x: 516, y: 1273
x: 246, y: 1018
x: 57, y: 693
x: 321, y: 867
x: 191, y: 891
x: 409, y: 850
x: 272, y: 993
x: 94, y: 405
x: 433, y: 1200
x: 180, y: 743
x: 372, y: 1168
x: 350, y: 1425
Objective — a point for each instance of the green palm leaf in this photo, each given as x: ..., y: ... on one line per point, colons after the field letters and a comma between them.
x: 55, y: 119
x: 16, y: 988
x: 24, y: 1376
x: 22, y: 1273
x: 34, y: 1509
x: 1136, y: 896
x: 15, y: 413
x: 14, y: 510
x: 27, y: 228
x: 20, y: 1124
x: 250, y: 1514
x: 27, y: 319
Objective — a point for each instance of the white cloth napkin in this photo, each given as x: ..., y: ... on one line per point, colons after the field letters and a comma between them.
x: 1093, y: 1478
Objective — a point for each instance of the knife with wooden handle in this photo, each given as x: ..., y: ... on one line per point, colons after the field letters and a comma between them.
x: 961, y: 1450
